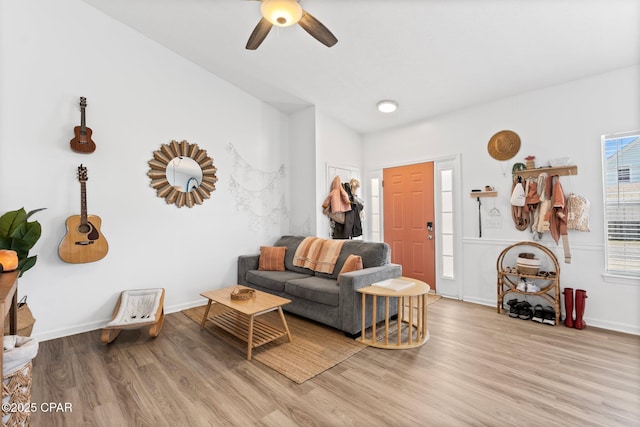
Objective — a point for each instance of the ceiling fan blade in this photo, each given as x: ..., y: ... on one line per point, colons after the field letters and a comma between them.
x: 258, y: 35
x: 314, y: 27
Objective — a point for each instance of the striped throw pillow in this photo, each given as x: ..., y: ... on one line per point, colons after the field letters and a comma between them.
x: 271, y: 258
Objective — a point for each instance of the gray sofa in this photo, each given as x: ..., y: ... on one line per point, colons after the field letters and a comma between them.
x: 318, y: 296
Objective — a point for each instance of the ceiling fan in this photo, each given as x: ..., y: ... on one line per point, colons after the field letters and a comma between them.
x: 284, y: 13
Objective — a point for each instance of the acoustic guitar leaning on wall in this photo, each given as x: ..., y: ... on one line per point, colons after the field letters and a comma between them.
x: 84, y: 242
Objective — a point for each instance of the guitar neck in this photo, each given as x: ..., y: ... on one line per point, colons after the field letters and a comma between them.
x: 83, y: 203
x: 83, y: 123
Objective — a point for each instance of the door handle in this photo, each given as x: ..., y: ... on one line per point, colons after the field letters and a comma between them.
x: 430, y: 237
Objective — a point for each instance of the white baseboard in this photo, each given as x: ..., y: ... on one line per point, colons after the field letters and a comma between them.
x: 612, y: 326
x: 596, y: 323
x: 92, y: 326
x: 481, y: 301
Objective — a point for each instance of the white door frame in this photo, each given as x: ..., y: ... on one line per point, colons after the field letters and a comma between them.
x: 447, y: 286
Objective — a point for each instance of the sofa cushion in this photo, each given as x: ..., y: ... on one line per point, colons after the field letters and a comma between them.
x: 292, y: 242
x: 374, y: 254
x: 272, y: 258
x: 272, y: 280
x: 316, y: 289
x: 352, y: 263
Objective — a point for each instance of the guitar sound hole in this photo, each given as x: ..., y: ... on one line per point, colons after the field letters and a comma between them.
x: 84, y: 228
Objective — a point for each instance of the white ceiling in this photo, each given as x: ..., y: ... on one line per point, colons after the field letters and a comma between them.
x: 432, y: 56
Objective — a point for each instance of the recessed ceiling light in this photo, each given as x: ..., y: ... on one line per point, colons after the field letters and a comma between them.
x: 387, y: 106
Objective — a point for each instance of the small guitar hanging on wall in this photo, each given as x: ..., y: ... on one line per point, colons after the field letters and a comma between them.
x: 84, y: 241
x: 82, y: 143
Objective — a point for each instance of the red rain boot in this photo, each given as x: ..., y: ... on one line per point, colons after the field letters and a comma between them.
x: 581, y: 296
x: 568, y: 307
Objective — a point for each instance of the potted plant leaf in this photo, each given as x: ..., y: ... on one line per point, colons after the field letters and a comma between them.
x: 19, y: 234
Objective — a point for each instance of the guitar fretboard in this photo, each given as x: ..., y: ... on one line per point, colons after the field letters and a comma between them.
x: 83, y: 123
x: 83, y: 202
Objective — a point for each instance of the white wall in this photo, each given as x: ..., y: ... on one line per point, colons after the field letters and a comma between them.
x: 140, y: 95
x: 336, y: 145
x: 565, y: 120
x: 304, y: 210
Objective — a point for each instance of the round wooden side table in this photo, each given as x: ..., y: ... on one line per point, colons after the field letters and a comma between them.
x: 411, y: 297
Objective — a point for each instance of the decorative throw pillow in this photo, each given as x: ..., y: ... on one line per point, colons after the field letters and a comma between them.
x: 352, y: 263
x: 272, y: 258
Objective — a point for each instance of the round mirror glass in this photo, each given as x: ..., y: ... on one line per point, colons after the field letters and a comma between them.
x: 184, y: 173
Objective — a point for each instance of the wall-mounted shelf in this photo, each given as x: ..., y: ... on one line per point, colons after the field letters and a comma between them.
x: 475, y: 194
x: 558, y: 170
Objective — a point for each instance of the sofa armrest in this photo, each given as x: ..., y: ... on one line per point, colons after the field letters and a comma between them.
x: 351, y: 300
x: 246, y: 263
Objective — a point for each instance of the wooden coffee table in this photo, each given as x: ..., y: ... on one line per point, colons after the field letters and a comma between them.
x: 240, y: 321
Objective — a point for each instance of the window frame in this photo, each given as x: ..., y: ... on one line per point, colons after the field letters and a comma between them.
x: 627, y: 273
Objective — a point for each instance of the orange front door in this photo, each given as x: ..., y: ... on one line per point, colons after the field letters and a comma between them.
x: 408, y: 211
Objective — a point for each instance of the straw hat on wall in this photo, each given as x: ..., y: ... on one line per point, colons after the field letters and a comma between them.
x: 504, y: 145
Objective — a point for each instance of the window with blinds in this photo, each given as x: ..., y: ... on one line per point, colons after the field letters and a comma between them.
x: 621, y: 166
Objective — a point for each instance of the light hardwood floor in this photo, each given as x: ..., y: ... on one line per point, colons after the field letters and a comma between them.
x: 478, y: 369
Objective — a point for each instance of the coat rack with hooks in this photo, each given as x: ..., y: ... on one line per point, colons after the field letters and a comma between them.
x: 476, y: 195
x: 557, y: 170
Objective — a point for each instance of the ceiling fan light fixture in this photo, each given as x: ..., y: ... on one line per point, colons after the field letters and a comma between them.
x: 282, y: 13
x: 387, y: 106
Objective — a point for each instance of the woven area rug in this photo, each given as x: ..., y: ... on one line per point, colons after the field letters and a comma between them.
x: 314, y: 349
x: 431, y: 298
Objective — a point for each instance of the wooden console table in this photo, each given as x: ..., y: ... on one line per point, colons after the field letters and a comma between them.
x: 8, y: 305
x: 413, y: 299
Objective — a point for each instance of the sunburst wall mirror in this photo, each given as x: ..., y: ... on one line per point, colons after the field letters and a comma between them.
x: 182, y: 174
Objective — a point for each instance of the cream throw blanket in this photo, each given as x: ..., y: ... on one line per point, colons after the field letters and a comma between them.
x: 318, y: 254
